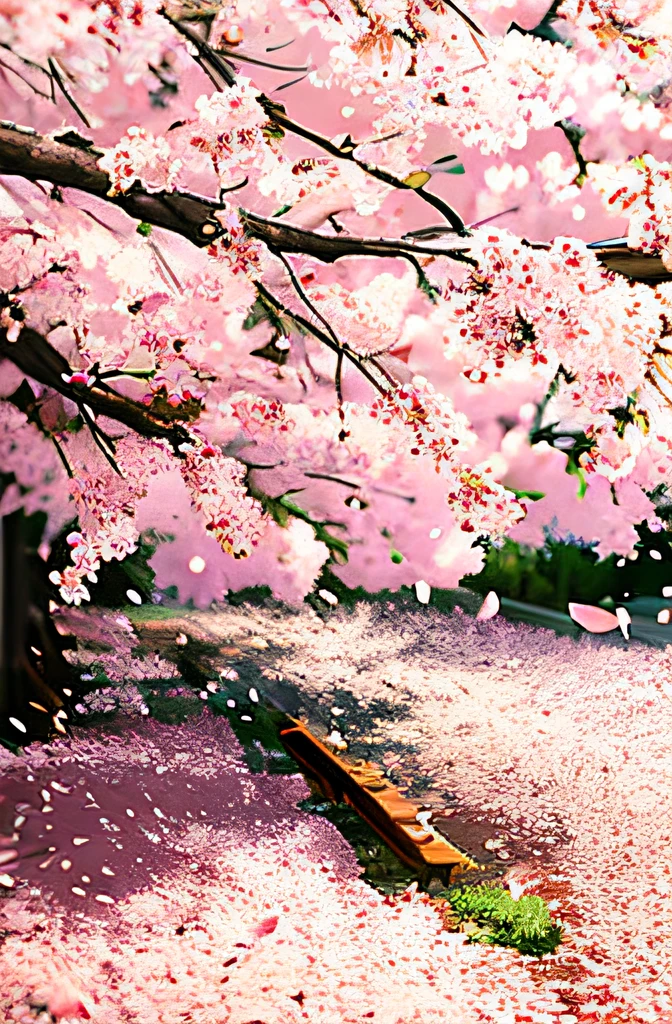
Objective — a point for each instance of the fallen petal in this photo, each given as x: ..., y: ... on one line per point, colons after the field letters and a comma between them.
x: 489, y: 608
x: 595, y: 620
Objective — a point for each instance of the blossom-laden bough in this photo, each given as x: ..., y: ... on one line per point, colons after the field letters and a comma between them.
x: 180, y: 242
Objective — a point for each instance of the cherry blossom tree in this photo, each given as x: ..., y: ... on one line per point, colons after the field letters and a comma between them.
x: 273, y: 318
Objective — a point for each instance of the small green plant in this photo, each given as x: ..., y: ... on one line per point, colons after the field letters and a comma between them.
x: 525, y: 924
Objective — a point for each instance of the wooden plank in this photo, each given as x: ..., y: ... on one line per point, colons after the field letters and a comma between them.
x: 380, y: 804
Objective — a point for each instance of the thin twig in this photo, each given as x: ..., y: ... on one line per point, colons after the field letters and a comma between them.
x: 38, y: 92
x: 339, y: 387
x: 260, y: 63
x: 495, y: 216
x: 326, y: 339
x: 271, y: 49
x: 165, y: 267
x: 53, y: 67
x: 302, y: 294
x: 100, y: 438
x: 206, y: 54
x: 62, y: 456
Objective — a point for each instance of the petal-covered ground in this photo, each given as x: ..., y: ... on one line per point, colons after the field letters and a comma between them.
x: 558, y: 747
x: 244, y: 909
x: 221, y: 902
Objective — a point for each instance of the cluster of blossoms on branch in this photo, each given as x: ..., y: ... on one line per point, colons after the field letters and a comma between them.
x: 264, y: 307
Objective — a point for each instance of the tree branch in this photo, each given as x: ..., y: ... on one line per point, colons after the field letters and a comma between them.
x: 35, y: 357
x: 284, y: 237
x: 72, y: 163
x: 221, y: 74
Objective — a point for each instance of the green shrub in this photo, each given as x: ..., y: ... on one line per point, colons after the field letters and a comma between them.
x: 525, y: 924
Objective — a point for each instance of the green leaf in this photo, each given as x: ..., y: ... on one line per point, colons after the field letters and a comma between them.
x: 396, y: 556
x: 264, y: 312
x: 144, y: 229
x: 575, y: 470
x: 457, y: 169
x: 532, y: 495
x: 283, y: 209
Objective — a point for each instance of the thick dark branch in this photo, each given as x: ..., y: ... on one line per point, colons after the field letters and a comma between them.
x: 69, y: 165
x: 35, y: 357
x: 73, y: 165
x: 281, y: 236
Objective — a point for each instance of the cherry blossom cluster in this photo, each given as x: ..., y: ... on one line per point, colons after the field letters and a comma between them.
x: 640, y: 189
x: 553, y: 311
x: 87, y: 35
x: 479, y: 502
x: 368, y: 319
x: 141, y: 158
x: 217, y: 488
x: 104, y: 502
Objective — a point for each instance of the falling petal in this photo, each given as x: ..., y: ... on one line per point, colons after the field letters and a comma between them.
x: 423, y: 592
x: 624, y: 621
x: 595, y: 620
x: 489, y: 608
x: 664, y: 616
